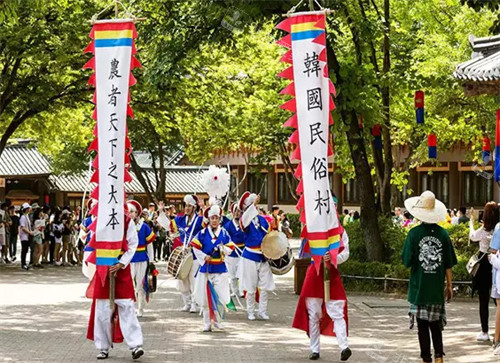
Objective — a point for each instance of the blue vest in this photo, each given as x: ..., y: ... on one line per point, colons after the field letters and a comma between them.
x: 254, y: 234
x: 236, y: 235
x: 210, y: 247
x: 186, y: 231
x: 145, y: 235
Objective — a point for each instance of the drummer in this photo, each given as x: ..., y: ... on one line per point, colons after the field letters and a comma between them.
x: 233, y: 260
x: 255, y: 273
x: 187, y: 226
x: 211, y: 287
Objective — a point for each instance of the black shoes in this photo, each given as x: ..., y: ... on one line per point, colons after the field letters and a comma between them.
x: 102, y: 355
x: 314, y: 356
x: 137, y: 353
x: 345, y: 355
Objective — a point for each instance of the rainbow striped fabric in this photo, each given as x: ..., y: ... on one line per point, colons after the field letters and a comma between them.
x: 308, y: 30
x: 113, y: 35
x: 108, y: 256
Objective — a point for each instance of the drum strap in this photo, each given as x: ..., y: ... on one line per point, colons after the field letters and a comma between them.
x: 193, y: 224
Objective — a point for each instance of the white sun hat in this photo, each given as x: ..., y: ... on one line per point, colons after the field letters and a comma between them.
x: 426, y: 208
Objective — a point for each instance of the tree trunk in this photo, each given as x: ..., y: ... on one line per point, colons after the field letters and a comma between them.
x: 139, y: 174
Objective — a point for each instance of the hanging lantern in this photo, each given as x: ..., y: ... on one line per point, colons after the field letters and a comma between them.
x: 431, y: 144
x: 419, y: 106
x: 486, y: 150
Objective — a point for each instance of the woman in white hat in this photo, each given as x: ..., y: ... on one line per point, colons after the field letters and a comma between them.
x: 210, y: 246
x: 429, y: 253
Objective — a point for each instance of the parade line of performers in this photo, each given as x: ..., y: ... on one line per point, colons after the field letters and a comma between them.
x: 227, y: 265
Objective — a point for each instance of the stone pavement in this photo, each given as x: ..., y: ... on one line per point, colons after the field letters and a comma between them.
x: 43, y: 318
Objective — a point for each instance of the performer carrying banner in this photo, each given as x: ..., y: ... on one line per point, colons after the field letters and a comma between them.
x: 187, y: 227
x: 211, y: 291
x: 255, y: 273
x: 233, y: 260
x: 143, y: 255
x: 316, y: 316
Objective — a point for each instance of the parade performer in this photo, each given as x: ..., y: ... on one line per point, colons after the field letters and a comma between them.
x: 127, y: 326
x: 254, y: 273
x: 143, y: 255
x: 314, y: 315
x: 88, y: 269
x: 186, y: 227
x: 233, y: 260
x: 210, y: 246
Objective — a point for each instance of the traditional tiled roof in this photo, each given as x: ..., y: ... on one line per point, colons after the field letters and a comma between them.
x: 22, y: 160
x: 145, y: 161
x: 179, y: 180
x: 484, y: 64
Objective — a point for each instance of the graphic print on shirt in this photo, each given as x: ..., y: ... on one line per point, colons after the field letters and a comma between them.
x: 431, y: 254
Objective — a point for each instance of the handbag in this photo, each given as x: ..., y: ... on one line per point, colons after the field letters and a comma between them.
x: 474, y: 262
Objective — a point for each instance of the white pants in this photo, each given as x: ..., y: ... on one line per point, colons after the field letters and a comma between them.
x: 129, y: 324
x: 220, y: 283
x: 88, y: 269
x: 255, y: 275
x: 138, y: 270
x: 232, y: 264
x: 335, y: 309
x: 186, y: 286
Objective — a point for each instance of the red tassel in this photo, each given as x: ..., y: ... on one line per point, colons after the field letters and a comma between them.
x: 287, y: 57
x: 332, y: 88
x: 320, y: 39
x: 95, y: 177
x: 90, y: 64
x: 134, y: 63
x: 95, y: 193
x: 285, y: 25
x: 301, y: 203
x: 93, y: 146
x: 296, y: 153
x: 90, y: 48
x: 95, y: 163
x: 94, y: 209
x: 94, y: 114
x: 91, y: 81
x: 292, y: 122
x: 131, y: 80
x: 130, y: 113
x: 289, y: 90
x: 321, y: 22
x: 287, y: 73
x: 303, y: 216
x: 322, y: 55
x: 95, y: 131
x: 325, y: 71
x: 330, y: 119
x: 294, y: 138
x: 332, y: 104
x: 300, y: 187
x: 286, y: 41
x: 298, y: 171
x: 127, y: 177
x: 290, y: 105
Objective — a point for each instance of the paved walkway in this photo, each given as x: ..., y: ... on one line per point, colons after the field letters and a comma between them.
x: 43, y: 318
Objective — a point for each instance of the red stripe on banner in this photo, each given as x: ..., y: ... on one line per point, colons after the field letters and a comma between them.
x: 95, y: 163
x: 95, y: 193
x: 298, y: 171
x: 103, y: 245
x: 286, y: 41
x: 290, y: 105
x: 93, y: 146
x: 127, y: 177
x: 322, y: 55
x: 93, y: 225
x: 296, y: 153
x: 289, y: 90
x: 321, y: 22
x: 90, y: 48
x: 114, y: 26
x: 95, y: 177
x: 294, y: 137
x: 320, y: 39
x: 285, y: 25
x: 287, y: 57
x: 91, y: 81
x: 431, y: 140
x: 90, y: 64
x: 324, y: 235
x: 486, y: 144
x: 332, y: 88
x: 300, y: 187
x: 94, y: 114
x: 94, y: 209
x: 301, y: 202
x: 287, y: 73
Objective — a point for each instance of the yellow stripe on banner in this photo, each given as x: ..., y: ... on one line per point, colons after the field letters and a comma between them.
x: 323, y: 243
x: 113, y: 34
x: 107, y: 253
x: 304, y: 27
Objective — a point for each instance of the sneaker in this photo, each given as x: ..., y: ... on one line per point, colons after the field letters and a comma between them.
x: 193, y: 308
x: 137, y: 353
x: 218, y: 325
x: 483, y: 337
x: 13, y: 258
x: 314, y: 356
x: 140, y: 313
x: 264, y: 316
x: 496, y: 351
x: 25, y: 267
x: 345, y: 354
x: 103, y: 354
x: 7, y: 261
x: 207, y: 329
x: 251, y: 316
x: 185, y: 308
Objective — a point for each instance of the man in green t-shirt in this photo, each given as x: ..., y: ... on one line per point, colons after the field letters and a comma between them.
x: 429, y: 253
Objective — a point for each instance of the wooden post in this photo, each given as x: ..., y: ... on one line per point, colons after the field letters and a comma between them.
x: 311, y: 5
x: 116, y: 9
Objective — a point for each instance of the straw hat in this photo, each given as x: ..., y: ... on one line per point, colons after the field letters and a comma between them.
x: 426, y: 208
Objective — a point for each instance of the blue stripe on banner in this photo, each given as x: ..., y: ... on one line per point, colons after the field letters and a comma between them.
x: 321, y: 251
x: 497, y: 163
x: 120, y: 42
x: 106, y: 261
x: 309, y: 34
x: 432, y: 152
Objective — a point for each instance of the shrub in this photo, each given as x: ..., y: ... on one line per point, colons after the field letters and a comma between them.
x: 295, y: 224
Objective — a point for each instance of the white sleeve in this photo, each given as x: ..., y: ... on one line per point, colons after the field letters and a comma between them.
x: 475, y: 235
x: 495, y: 261
x: 344, y: 255
x: 200, y: 255
x: 132, y: 241
x: 151, y: 252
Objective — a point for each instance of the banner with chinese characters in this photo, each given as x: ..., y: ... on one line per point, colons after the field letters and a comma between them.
x: 113, y: 48
x: 311, y: 104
